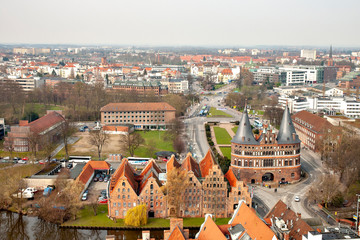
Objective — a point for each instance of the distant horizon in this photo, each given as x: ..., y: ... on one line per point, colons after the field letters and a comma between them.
x: 315, y: 47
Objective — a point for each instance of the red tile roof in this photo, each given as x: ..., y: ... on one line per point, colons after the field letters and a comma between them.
x: 316, y: 123
x: 227, y: 71
x: 124, y: 170
x: 46, y: 122
x: 207, y: 163
x: 209, y: 230
x: 89, y: 168
x: 85, y: 174
x: 150, y: 170
x: 299, y: 227
x: 176, y: 234
x: 116, y: 128
x: 145, y: 106
x: 230, y: 176
x: 172, y: 163
x: 190, y: 164
x: 253, y: 225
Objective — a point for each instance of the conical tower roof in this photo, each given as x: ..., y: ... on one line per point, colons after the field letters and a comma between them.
x: 244, y: 134
x: 287, y: 133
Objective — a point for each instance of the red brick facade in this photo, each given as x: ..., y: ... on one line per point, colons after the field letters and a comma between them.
x: 207, y: 191
x: 272, y: 157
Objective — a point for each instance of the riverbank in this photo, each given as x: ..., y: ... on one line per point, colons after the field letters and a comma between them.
x: 87, y: 220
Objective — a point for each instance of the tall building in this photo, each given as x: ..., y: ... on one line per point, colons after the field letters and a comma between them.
x: 266, y: 157
x: 308, y: 54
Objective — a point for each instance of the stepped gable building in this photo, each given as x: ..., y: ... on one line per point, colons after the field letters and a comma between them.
x: 146, y: 115
x: 271, y: 157
x: 206, y: 193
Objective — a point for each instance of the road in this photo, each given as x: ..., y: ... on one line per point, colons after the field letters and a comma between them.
x: 311, y: 162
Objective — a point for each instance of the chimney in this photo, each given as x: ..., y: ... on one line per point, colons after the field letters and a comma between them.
x: 243, y: 138
x: 287, y: 235
x: 145, y: 235
x: 294, y: 135
x: 176, y: 222
x: 23, y: 123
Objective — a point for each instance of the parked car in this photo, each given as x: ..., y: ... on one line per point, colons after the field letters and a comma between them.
x: 297, y: 199
x: 70, y: 165
x: 96, y: 179
x: 84, y: 196
x: 106, y: 179
x: 101, y: 179
x: 25, y: 159
x: 102, y: 200
x: 103, y: 192
x: 22, y: 162
x: 41, y: 162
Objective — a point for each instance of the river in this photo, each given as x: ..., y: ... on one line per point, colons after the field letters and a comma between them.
x: 19, y: 227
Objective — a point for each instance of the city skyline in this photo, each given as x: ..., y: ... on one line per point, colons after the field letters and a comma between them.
x: 200, y: 23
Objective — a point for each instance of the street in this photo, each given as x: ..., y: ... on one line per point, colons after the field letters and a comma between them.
x: 311, y: 163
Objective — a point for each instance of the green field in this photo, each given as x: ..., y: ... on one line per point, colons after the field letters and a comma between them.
x: 159, y: 140
x: 217, y: 86
x: 226, y: 151
x: 217, y: 113
x: 235, y: 129
x: 222, y: 136
x: 86, y: 218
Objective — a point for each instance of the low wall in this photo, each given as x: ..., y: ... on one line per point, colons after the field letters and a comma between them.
x: 40, y: 183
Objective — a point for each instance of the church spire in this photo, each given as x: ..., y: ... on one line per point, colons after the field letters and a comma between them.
x: 287, y: 133
x: 330, y: 54
x: 244, y: 134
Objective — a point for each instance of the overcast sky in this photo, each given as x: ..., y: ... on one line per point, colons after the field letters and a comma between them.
x: 185, y: 22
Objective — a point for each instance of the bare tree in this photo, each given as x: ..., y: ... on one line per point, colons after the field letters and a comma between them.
x: 326, y: 190
x: 176, y: 183
x: 34, y: 140
x: 98, y: 138
x: 132, y: 142
x: 179, y: 144
x: 67, y: 130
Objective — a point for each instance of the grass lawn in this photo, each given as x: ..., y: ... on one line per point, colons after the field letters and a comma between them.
x: 257, y: 112
x: 217, y: 113
x: 222, y: 136
x: 86, y: 217
x: 158, y: 138
x: 235, y: 129
x: 226, y: 151
x: 217, y: 86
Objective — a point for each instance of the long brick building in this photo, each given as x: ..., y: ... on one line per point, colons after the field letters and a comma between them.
x: 207, y: 192
x: 270, y: 157
x: 146, y: 115
x: 44, y: 129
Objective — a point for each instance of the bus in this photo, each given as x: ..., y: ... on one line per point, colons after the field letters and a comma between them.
x: 257, y: 123
x: 79, y: 159
x: 138, y: 160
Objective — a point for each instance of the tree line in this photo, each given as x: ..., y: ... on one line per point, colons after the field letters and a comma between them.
x: 81, y: 102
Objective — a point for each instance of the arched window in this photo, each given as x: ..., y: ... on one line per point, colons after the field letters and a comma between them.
x: 123, y: 184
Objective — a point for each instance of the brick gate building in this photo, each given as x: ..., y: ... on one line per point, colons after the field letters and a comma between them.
x: 270, y: 157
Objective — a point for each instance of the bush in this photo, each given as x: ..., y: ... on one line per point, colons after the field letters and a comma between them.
x: 338, y: 200
x: 207, y: 127
x: 211, y: 143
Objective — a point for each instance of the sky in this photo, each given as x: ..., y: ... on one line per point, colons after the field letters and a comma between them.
x: 181, y: 23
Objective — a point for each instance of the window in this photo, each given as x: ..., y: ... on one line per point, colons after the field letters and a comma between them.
x: 123, y: 184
